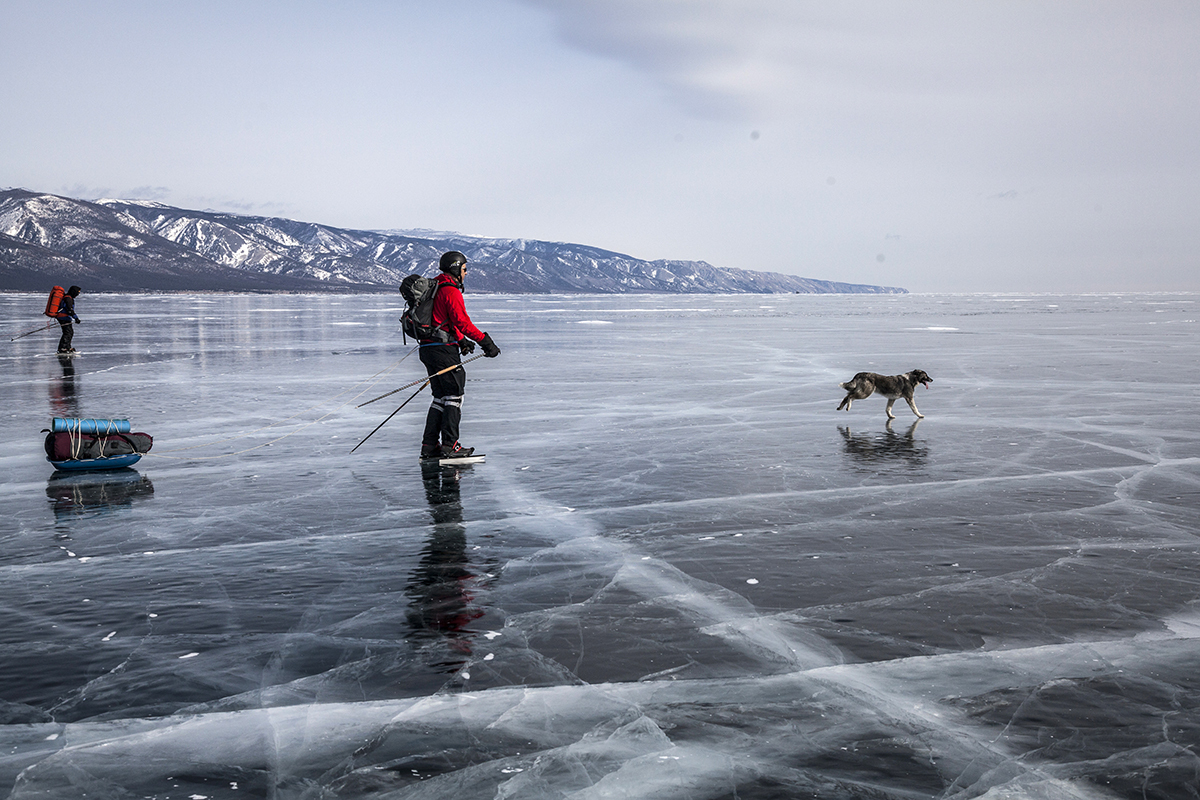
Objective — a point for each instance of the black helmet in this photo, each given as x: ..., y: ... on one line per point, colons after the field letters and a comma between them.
x: 74, y: 291
x: 452, y: 262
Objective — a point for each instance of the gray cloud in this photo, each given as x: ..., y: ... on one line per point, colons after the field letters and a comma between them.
x: 922, y: 106
x: 1073, y: 81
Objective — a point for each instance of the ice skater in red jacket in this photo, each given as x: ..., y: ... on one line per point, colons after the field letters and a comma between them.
x: 458, y: 337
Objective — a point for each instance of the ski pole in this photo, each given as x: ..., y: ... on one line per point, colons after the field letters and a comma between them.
x: 421, y: 381
x: 35, y: 330
x: 394, y: 413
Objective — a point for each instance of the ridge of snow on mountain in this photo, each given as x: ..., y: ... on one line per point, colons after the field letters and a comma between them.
x: 114, y: 244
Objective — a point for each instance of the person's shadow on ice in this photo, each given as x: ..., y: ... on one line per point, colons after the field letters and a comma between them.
x: 64, y: 398
x: 439, y: 588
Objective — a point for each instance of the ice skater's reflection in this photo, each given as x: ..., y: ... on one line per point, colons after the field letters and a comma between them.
x: 63, y: 399
x: 440, y: 585
x: 875, y: 449
x: 78, y: 494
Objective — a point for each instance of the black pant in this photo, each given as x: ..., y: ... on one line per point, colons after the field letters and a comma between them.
x: 445, y: 412
x: 68, y: 333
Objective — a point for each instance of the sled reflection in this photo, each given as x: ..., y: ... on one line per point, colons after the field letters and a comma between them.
x: 64, y: 400
x: 78, y: 494
x: 871, y: 448
x: 439, y: 587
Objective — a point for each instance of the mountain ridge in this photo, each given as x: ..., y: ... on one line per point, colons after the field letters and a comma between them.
x: 135, y: 245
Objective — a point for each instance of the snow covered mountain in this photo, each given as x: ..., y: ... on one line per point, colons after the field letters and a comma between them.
x: 122, y: 245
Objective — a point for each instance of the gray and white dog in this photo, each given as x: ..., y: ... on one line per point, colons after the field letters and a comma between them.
x: 893, y: 387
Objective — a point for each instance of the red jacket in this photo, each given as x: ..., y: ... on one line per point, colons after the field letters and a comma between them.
x: 450, y: 312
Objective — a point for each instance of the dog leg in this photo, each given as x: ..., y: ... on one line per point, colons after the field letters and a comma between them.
x: 845, y: 403
x: 913, y: 406
x: 889, y: 408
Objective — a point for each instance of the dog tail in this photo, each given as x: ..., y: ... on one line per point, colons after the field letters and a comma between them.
x: 847, y: 385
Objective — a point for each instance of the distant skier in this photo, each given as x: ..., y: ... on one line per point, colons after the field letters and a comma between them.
x: 450, y: 316
x: 65, y: 315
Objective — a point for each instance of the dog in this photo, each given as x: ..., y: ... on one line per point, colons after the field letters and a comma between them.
x: 893, y: 387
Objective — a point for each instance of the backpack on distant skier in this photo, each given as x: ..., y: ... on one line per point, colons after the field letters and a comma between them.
x: 55, y: 302
x: 417, y: 320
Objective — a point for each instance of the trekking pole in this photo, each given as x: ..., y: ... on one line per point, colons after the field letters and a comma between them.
x: 421, y: 381
x: 394, y: 413
x: 35, y: 330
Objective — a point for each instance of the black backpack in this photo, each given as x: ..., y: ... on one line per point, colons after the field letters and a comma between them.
x: 417, y: 320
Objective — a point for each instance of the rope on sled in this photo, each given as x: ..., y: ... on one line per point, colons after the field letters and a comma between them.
x: 75, y: 437
x: 370, y: 382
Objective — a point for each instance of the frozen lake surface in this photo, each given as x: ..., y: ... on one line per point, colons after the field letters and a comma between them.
x: 679, y: 574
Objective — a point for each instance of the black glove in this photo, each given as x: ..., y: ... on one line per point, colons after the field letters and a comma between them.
x: 466, y: 346
x: 489, y: 347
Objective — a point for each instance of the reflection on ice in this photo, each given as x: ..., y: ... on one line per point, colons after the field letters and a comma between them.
x: 440, y: 588
x: 877, y: 449
x: 74, y: 494
x: 63, y: 396
x: 680, y: 573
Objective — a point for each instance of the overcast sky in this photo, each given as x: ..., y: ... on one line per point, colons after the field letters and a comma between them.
x: 939, y: 146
